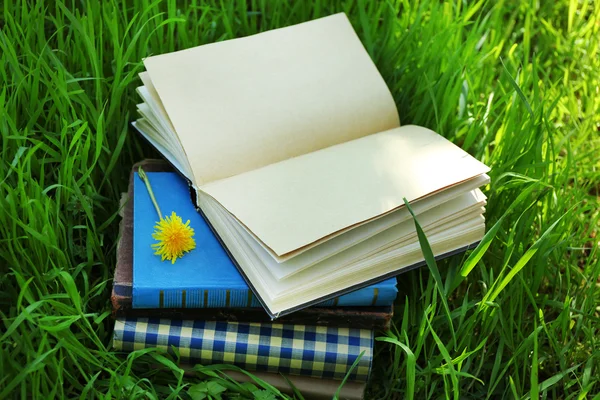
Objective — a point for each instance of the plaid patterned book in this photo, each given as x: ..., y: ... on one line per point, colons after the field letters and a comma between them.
x: 317, y: 351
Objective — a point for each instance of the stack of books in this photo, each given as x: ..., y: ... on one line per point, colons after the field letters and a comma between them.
x: 303, y: 191
x: 202, y: 307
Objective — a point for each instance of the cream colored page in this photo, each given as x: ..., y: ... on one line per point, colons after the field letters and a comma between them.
x: 348, y: 237
x: 438, y: 216
x: 155, y: 114
x: 157, y: 103
x: 296, y: 202
x: 155, y: 140
x: 245, y: 103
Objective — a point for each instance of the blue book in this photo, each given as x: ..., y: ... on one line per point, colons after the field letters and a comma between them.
x: 205, y: 277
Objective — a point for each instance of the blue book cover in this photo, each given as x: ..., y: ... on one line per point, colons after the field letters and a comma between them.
x: 206, y: 276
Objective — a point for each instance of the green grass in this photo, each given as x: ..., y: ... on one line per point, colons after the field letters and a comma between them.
x: 517, y: 84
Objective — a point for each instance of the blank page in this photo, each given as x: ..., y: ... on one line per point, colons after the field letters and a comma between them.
x: 245, y: 103
x: 300, y: 201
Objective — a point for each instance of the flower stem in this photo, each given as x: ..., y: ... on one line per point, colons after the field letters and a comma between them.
x: 144, y: 178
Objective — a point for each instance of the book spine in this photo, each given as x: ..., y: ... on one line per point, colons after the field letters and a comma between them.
x: 368, y: 296
x: 317, y: 351
x: 193, y: 298
x: 240, y: 298
x: 373, y: 318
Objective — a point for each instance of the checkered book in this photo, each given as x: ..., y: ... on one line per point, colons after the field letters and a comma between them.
x: 317, y: 351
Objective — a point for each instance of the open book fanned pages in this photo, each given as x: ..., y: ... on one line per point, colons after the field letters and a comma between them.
x: 292, y: 143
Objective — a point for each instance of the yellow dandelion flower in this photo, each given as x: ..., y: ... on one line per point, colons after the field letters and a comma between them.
x: 174, y: 238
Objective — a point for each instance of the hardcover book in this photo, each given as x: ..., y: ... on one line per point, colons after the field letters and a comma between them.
x: 206, y: 276
x: 316, y: 351
x: 292, y: 144
x: 369, y: 316
x: 311, y: 388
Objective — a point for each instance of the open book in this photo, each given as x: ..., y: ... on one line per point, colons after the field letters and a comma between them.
x: 292, y: 143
